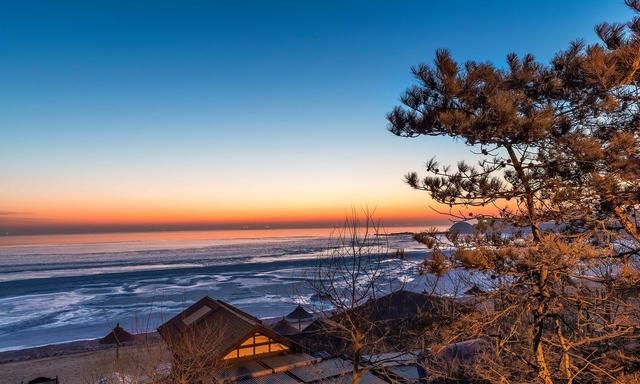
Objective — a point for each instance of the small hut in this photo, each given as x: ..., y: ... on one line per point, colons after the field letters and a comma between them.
x: 117, y: 336
x: 283, y: 328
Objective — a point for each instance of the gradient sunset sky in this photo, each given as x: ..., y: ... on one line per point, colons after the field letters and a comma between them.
x: 170, y: 114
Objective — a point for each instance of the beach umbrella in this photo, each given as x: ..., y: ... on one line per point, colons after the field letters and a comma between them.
x: 284, y: 328
x: 299, y: 314
x: 117, y: 336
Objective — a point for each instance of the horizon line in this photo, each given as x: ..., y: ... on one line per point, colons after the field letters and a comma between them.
x: 79, y: 229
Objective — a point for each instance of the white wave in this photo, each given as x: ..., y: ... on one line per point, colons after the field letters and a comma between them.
x: 46, y: 274
x: 31, y: 308
x: 269, y: 299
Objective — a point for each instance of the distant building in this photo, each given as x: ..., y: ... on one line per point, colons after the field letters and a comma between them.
x: 394, y: 316
x: 462, y: 228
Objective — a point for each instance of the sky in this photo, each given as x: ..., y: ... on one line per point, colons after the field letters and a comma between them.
x: 120, y: 115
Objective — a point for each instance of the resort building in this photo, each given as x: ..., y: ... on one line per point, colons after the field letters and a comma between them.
x: 222, y: 332
x: 214, y: 342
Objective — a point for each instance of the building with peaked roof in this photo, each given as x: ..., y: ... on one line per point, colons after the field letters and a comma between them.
x: 389, y: 318
x: 222, y: 332
x: 398, y: 305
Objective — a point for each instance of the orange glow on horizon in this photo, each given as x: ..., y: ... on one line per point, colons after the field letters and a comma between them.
x: 300, y: 215
x: 215, y: 205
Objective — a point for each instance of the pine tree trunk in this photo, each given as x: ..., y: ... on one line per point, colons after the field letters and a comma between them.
x: 543, y: 369
x: 356, y: 376
x: 529, y: 195
x: 565, y: 363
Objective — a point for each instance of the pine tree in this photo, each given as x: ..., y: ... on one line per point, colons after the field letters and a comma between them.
x: 557, y: 143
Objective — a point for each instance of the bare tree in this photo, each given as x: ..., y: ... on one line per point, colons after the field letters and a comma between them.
x: 196, y: 353
x: 350, y: 278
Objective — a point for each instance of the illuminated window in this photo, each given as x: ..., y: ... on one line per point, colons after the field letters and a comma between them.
x: 261, y: 339
x: 278, y: 347
x: 231, y: 355
x: 262, y: 349
x: 256, y: 345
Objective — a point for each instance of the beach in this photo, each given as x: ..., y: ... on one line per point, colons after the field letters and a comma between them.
x: 86, y: 361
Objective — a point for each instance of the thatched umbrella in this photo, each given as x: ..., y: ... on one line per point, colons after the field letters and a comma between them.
x: 299, y: 314
x: 284, y: 328
x: 117, y: 336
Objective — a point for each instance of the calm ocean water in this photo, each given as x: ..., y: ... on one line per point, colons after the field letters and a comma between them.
x: 68, y: 287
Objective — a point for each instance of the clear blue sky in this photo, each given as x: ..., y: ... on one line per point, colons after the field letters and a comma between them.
x: 179, y: 111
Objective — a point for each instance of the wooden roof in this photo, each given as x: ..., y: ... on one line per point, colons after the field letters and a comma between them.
x: 401, y: 304
x: 226, y: 325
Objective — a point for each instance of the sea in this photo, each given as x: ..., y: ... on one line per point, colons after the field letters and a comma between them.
x: 60, y: 288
